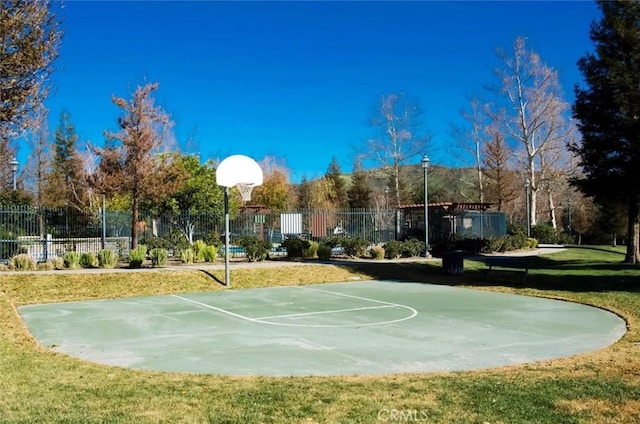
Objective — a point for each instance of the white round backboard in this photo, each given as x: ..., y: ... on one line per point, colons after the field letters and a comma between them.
x: 239, y: 169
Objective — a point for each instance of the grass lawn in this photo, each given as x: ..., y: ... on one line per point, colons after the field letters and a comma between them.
x: 600, y: 387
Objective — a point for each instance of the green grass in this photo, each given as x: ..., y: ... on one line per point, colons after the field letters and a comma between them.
x: 600, y: 387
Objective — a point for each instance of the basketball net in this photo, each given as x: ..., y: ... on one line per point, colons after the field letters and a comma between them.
x: 245, y: 191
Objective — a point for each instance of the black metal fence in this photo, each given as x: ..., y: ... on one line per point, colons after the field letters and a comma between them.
x: 44, y: 233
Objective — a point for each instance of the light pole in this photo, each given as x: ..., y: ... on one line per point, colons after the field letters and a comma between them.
x: 386, y: 197
x: 527, y: 185
x: 570, y: 230
x: 14, y: 170
x: 425, y: 167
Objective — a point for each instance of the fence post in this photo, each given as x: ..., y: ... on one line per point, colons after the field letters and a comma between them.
x: 104, y: 225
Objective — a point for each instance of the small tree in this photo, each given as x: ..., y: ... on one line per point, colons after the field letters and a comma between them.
x: 128, y: 163
x: 359, y: 193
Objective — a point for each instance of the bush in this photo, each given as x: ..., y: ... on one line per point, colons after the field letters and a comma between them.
x: 255, y: 249
x: 509, y: 242
x: 46, y: 266
x: 121, y: 248
x: 137, y: 256
x: 198, y: 250
x: 22, y: 262
x: 565, y: 239
x: 324, y: 252
x: 333, y: 241
x: 175, y: 242
x: 393, y: 249
x: 57, y: 262
x: 544, y: 233
x: 295, y: 247
x: 412, y: 247
x: 354, y: 246
x: 213, y: 239
x: 71, y: 260
x: 376, y: 252
x: 88, y: 260
x: 515, y: 229
x: 107, y: 258
x: 312, y: 250
x: 159, y: 256
x: 187, y: 255
x: 210, y: 253
x: 154, y: 243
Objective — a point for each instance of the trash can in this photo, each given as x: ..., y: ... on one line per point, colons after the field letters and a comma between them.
x: 453, y: 262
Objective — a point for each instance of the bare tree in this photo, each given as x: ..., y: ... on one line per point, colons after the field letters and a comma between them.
x: 128, y: 162
x: 400, y: 138
x: 39, y: 158
x: 531, y: 93
x: 29, y: 41
x: 471, y: 140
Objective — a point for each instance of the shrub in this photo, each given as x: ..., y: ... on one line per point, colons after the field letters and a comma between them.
x: 376, y: 252
x: 354, y: 246
x: 159, y: 256
x: 295, y: 247
x: 514, y: 229
x: 22, y: 262
x: 107, y: 258
x: 312, y: 250
x: 508, y: 243
x: 121, y: 248
x: 213, y: 239
x: 198, y: 250
x: 544, y: 233
x: 333, y: 241
x: 137, y: 256
x: 154, y: 243
x: 324, y: 252
x: 393, y: 249
x: 57, y: 262
x: 175, y: 242
x: 187, y: 255
x: 46, y: 266
x: 565, y: 239
x: 71, y: 260
x: 210, y: 253
x: 412, y: 247
x: 88, y: 260
x: 255, y: 249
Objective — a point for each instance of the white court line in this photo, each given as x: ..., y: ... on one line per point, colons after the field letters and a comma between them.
x: 353, y: 296
x: 304, y: 314
x: 224, y: 311
x: 263, y: 320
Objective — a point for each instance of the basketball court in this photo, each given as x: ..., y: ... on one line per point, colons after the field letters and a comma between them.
x: 371, y: 327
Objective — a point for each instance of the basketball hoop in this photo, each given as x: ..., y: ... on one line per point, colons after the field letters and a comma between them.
x: 245, y: 191
x: 231, y: 171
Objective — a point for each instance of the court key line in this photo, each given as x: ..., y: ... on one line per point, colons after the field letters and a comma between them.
x: 263, y: 320
x: 303, y: 314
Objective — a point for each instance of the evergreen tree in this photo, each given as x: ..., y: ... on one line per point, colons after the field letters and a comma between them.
x: 334, y: 176
x: 66, y: 183
x: 359, y: 193
x: 608, y: 109
x: 304, y: 194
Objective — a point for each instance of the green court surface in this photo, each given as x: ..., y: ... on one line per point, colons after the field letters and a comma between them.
x: 371, y: 327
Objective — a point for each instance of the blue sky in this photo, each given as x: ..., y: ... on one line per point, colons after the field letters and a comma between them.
x: 298, y: 80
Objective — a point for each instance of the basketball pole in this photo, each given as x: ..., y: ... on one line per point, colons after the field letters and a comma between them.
x: 227, y: 279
